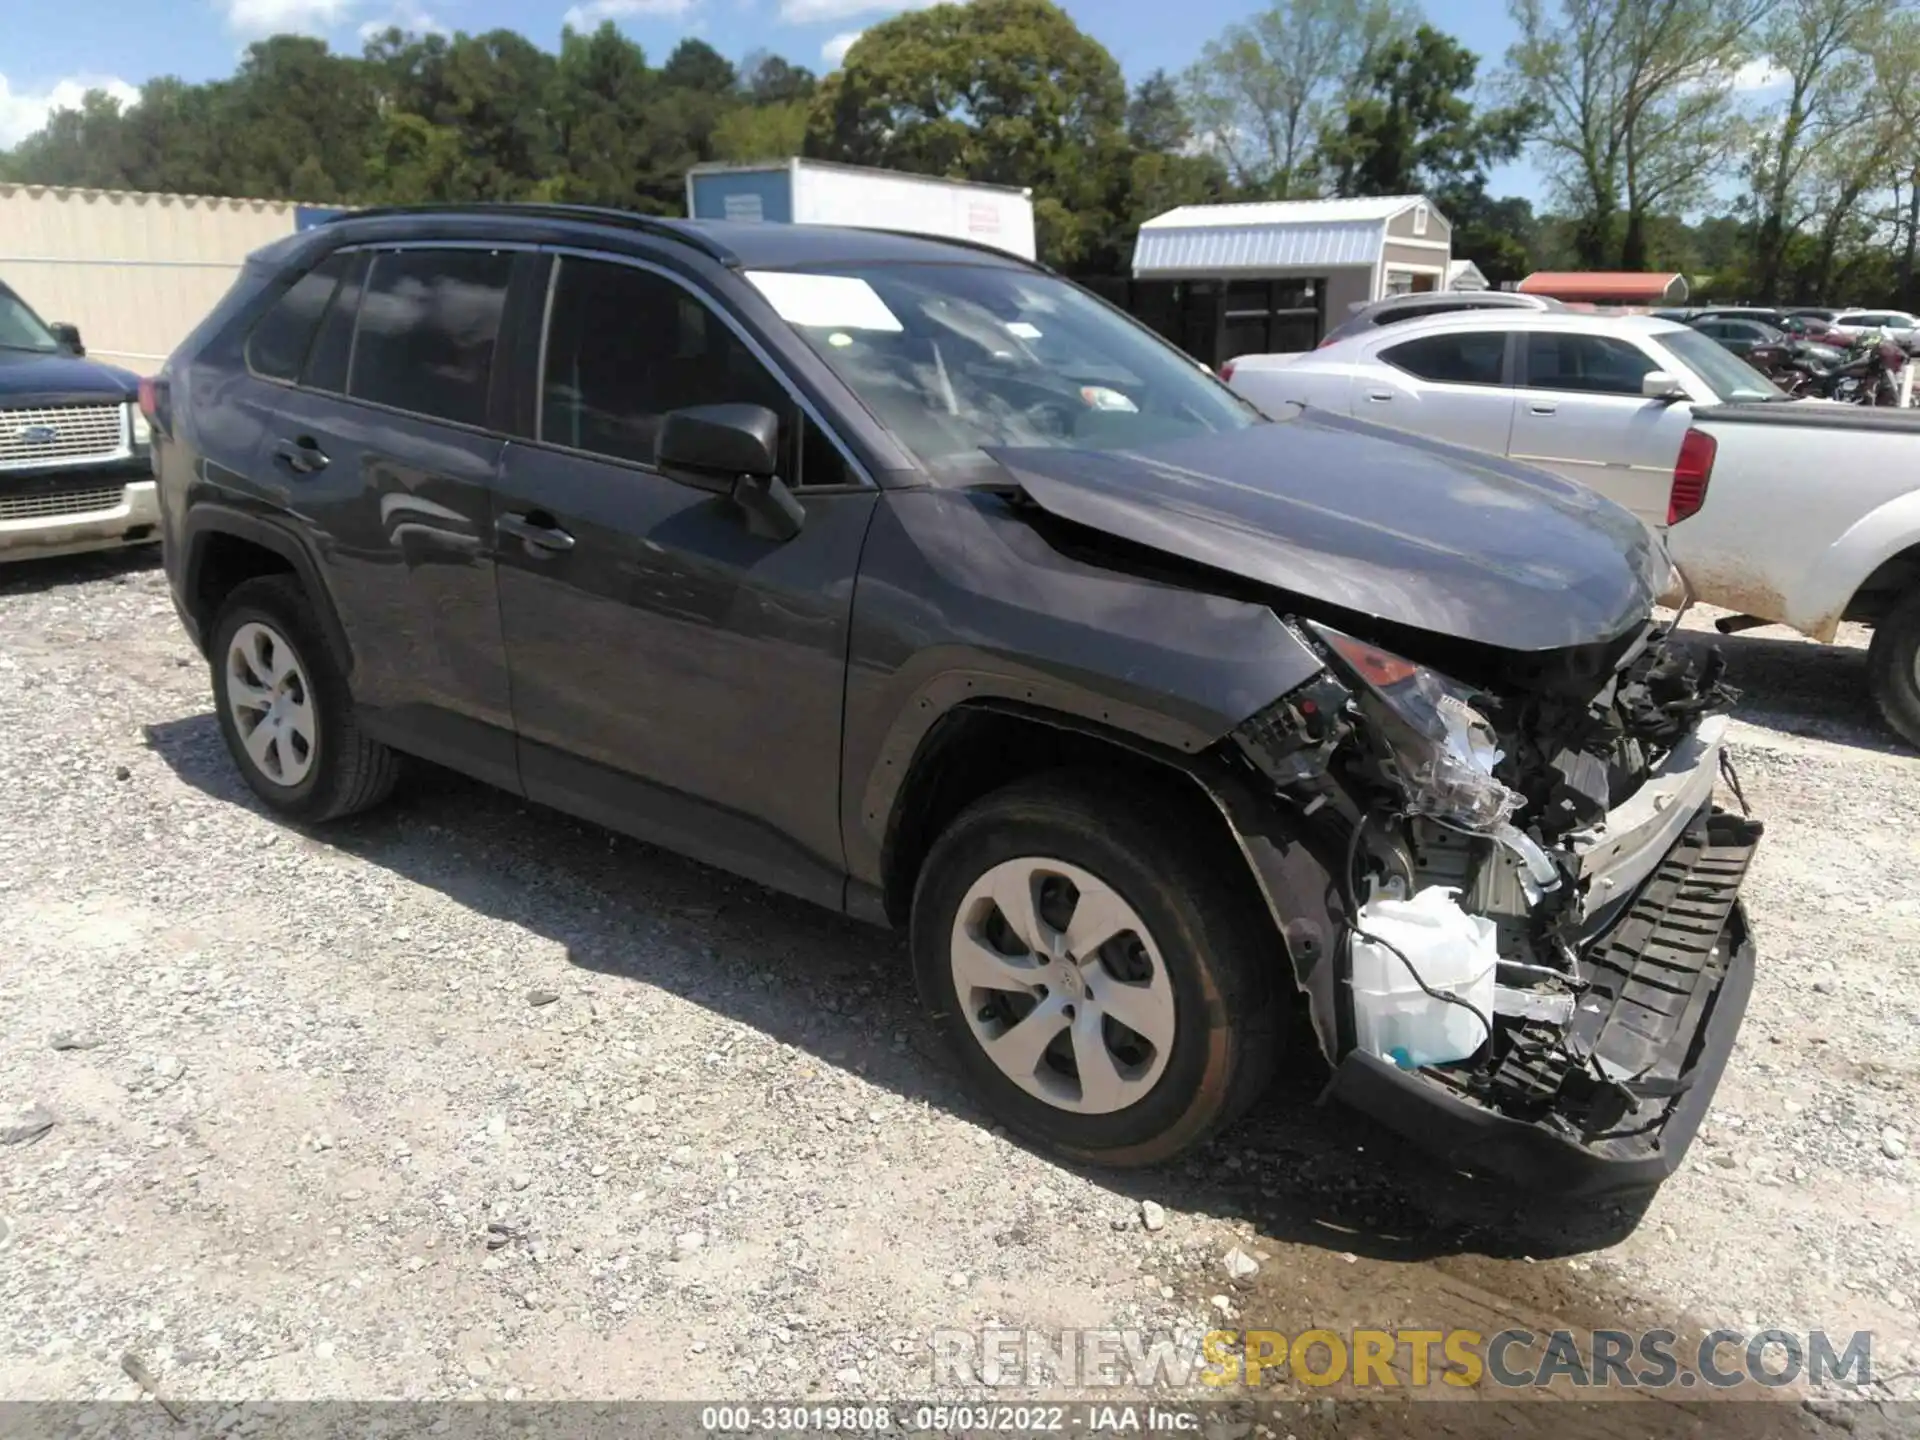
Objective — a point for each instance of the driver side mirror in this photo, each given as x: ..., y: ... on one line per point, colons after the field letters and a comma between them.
x: 1660, y: 385
x: 68, y: 334
x: 732, y: 450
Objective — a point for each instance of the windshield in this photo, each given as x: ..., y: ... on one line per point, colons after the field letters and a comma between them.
x: 20, y: 328
x: 1726, y: 374
x: 957, y: 358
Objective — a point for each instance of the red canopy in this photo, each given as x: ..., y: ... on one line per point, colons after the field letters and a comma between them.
x: 1607, y: 287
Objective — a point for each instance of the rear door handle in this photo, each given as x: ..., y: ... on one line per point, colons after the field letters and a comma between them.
x: 1544, y: 407
x: 302, y: 456
x: 536, y: 529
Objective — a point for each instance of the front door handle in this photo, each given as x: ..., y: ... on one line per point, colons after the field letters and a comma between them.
x: 1382, y: 395
x: 536, y: 529
x: 1544, y: 407
x: 302, y: 456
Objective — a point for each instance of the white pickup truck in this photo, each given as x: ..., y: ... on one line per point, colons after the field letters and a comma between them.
x: 1806, y: 515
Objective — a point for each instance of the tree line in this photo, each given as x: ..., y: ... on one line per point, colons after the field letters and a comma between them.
x: 1640, y: 112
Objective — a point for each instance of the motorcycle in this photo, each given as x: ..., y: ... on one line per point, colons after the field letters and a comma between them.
x: 1795, y: 364
x: 1872, y: 377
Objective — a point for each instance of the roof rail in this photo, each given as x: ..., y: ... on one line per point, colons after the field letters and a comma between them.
x: 662, y: 225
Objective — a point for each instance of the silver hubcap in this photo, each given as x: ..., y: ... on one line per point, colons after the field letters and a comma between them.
x: 1062, y: 985
x: 271, y: 704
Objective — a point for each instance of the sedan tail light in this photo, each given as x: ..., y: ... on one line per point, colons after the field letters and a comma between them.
x: 1226, y: 371
x: 148, y: 404
x: 1691, y: 472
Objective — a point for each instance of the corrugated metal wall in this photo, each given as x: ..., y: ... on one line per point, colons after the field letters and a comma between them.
x: 134, y: 271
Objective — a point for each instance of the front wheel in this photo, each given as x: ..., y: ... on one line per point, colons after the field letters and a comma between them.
x: 1893, y: 665
x: 1109, y: 989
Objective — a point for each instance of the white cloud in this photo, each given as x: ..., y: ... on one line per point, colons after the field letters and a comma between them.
x: 287, y: 17
x: 1759, y: 75
x: 409, y: 16
x: 809, y: 12
x: 25, y: 111
x: 835, y: 50
x: 589, y: 15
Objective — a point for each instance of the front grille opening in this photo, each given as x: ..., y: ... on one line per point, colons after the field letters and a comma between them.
x: 59, y: 503
x: 62, y: 435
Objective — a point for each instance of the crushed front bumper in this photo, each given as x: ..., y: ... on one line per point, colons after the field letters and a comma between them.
x: 1617, y: 1104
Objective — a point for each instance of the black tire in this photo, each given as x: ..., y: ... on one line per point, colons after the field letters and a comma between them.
x: 1186, y: 882
x: 1891, y: 665
x: 349, y: 772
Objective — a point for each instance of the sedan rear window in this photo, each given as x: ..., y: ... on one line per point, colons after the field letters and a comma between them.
x: 1476, y: 357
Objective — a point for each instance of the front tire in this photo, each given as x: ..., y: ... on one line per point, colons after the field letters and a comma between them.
x: 1893, y: 665
x: 285, y: 709
x: 1101, y: 970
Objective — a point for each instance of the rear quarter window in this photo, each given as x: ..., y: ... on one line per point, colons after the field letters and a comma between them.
x: 278, y: 344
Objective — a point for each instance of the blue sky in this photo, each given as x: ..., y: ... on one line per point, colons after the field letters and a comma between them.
x: 50, y: 50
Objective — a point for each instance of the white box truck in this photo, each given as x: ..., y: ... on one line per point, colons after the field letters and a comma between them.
x: 816, y: 192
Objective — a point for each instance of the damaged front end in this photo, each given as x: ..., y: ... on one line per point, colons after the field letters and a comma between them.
x: 1533, y: 958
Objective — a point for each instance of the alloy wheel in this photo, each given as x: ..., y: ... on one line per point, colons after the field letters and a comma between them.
x: 271, y: 703
x: 1062, y: 985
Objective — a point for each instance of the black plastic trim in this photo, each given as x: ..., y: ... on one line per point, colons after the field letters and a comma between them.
x: 1472, y: 1138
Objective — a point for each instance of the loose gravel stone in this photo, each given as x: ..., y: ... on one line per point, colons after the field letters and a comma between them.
x: 366, y: 984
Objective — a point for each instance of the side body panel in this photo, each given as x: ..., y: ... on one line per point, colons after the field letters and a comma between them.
x: 1623, y: 446
x: 1479, y: 417
x: 1803, y: 506
x: 401, y: 521
x: 676, y: 676
x: 960, y: 601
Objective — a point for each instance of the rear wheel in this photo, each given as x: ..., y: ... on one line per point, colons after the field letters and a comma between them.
x: 1108, y: 989
x: 285, y: 709
x: 1893, y: 665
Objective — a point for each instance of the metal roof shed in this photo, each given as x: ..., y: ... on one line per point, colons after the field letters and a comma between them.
x: 1399, y: 242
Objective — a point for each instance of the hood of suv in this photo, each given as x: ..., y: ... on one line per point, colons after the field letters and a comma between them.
x: 1371, y: 520
x: 28, y: 376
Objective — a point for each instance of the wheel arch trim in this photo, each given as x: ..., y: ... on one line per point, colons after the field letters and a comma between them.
x: 208, y: 521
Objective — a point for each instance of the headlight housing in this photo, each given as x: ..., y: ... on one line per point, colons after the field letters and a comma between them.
x: 1443, y: 748
x: 141, y: 431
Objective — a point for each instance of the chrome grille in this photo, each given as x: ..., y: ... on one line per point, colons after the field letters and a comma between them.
x: 62, y: 435
x: 64, y: 502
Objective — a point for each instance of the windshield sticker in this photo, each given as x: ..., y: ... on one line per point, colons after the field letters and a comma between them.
x: 842, y: 302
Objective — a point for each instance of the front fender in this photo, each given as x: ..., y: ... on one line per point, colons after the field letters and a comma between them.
x: 1816, y: 604
x: 961, y: 600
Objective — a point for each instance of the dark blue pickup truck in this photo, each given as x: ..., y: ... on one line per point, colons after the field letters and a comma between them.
x: 75, y: 472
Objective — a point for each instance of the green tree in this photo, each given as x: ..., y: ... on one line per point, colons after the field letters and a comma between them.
x: 1261, y: 94
x: 762, y: 132
x: 696, y: 65
x: 601, y: 91
x: 1822, y: 49
x: 766, y: 79
x: 1412, y: 125
x: 1635, y: 101
x: 1006, y: 91
x: 1157, y: 119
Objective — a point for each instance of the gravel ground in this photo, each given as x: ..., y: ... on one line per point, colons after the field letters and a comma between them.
x: 466, y: 1099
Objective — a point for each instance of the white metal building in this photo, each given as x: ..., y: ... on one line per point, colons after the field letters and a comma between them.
x: 1286, y: 260
x: 134, y: 271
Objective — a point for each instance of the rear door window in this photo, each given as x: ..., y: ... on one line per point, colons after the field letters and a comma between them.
x: 1472, y: 357
x: 424, y: 341
x: 1590, y: 364
x: 281, y: 338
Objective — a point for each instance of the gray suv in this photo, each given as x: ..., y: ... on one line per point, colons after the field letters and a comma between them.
x: 909, y: 578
